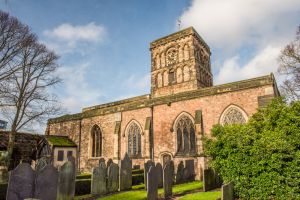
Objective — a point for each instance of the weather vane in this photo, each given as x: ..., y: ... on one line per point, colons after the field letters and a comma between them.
x: 179, y: 24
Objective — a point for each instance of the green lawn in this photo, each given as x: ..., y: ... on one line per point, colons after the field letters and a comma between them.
x: 139, y: 193
x: 202, y: 196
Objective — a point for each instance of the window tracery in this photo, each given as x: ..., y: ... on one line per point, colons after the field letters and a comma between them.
x: 185, y: 131
x: 134, y: 140
x: 233, y: 115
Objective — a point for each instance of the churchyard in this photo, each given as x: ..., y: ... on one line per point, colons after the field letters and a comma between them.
x: 110, y: 180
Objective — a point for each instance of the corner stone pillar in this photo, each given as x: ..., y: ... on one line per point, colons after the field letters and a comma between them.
x: 147, y: 135
x: 199, y: 130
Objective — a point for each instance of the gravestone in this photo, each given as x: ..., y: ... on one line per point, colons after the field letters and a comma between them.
x: 66, y: 181
x: 180, y: 173
x: 113, y: 177
x: 147, y: 166
x: 99, y: 179
x: 160, y: 173
x: 152, y: 182
x: 189, y: 171
x: 227, y: 191
x: 21, y: 183
x: 46, y: 183
x: 125, y: 173
x: 209, y: 180
x: 168, y: 179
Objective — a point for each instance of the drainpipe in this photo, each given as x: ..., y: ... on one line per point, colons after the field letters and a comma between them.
x: 79, y: 145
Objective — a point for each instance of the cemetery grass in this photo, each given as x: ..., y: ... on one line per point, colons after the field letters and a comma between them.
x: 202, y: 196
x: 138, y: 192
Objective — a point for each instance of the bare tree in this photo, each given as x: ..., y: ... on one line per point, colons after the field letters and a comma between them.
x: 290, y: 67
x: 13, y: 35
x: 31, y: 74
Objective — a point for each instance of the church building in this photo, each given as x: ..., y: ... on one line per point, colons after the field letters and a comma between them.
x: 168, y: 123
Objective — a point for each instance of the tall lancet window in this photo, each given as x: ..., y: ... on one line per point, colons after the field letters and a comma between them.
x: 96, y: 142
x: 186, y: 141
x: 134, y: 140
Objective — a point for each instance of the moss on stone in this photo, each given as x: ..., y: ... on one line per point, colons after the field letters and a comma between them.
x: 60, y: 141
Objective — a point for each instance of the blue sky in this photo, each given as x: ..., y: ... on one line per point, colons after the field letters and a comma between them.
x: 104, y: 44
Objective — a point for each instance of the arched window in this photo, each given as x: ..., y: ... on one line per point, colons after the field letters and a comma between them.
x: 233, y: 115
x: 179, y: 75
x: 186, y: 140
x: 96, y: 142
x: 134, y: 140
x: 159, y: 80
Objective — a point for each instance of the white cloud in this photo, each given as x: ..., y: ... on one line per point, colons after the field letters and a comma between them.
x: 263, y: 63
x: 230, y: 23
x: 66, y: 38
x: 229, y: 26
x: 78, y: 93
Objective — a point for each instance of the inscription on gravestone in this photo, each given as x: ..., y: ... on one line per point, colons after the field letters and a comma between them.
x: 46, y: 183
x: 152, y: 182
x: 125, y: 173
x: 21, y: 183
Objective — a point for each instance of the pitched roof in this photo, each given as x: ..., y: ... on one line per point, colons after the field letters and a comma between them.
x: 60, y: 141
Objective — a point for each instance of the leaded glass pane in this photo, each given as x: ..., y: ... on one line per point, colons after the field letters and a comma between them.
x: 192, y: 139
x: 186, y: 141
x: 179, y: 140
x: 134, y: 140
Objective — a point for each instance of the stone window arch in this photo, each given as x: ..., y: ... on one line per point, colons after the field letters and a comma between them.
x: 233, y: 115
x: 185, y: 134
x: 96, y: 142
x: 171, y: 56
x: 134, y: 140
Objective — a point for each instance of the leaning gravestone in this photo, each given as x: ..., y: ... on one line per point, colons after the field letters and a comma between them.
x: 180, y: 173
x: 189, y: 171
x: 160, y: 175
x: 168, y: 179
x: 99, y: 179
x: 46, y: 183
x: 147, y: 166
x: 21, y: 183
x: 113, y: 177
x: 125, y: 173
x: 66, y: 181
x: 152, y: 182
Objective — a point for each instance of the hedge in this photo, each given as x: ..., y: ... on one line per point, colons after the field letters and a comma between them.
x: 3, y: 188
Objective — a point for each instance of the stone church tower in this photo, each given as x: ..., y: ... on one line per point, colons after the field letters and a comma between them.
x: 180, y: 62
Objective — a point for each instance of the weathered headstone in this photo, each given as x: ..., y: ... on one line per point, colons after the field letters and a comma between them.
x: 147, y: 166
x: 227, y: 191
x: 160, y: 173
x: 125, y: 173
x: 66, y: 182
x: 209, y: 180
x: 113, y: 178
x: 189, y: 171
x: 152, y: 182
x: 99, y: 179
x: 180, y: 172
x: 46, y: 183
x: 21, y: 183
x: 168, y: 179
